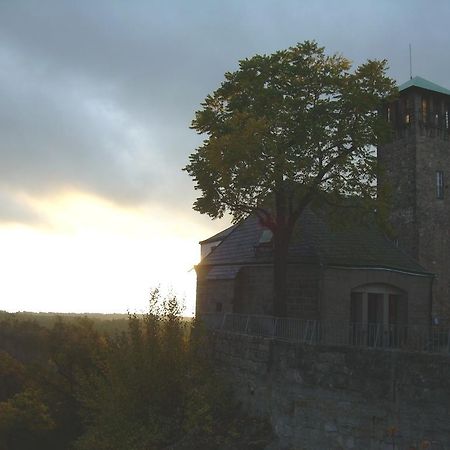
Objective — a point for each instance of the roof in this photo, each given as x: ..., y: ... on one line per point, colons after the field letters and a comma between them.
x: 238, y: 246
x: 422, y: 83
x: 314, y: 241
x: 219, y: 236
x: 223, y: 273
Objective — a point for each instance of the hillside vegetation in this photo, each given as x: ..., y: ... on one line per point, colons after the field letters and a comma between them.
x: 69, y: 384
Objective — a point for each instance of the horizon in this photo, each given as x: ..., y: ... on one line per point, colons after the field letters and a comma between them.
x: 97, y: 100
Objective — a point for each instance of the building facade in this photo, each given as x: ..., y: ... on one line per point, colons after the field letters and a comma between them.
x: 352, y: 275
x: 415, y: 171
x: 357, y: 275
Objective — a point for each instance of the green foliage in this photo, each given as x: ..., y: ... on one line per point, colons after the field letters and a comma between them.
x: 12, y: 376
x: 39, y: 371
x: 286, y: 131
x: 157, y: 388
x: 103, y: 323
x: 150, y: 387
x: 24, y: 421
x: 298, y: 123
x: 75, y: 350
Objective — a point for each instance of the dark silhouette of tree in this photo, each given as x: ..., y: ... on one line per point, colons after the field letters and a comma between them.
x: 151, y: 386
x: 285, y: 131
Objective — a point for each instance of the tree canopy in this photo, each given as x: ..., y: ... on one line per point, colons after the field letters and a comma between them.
x: 285, y: 130
x: 151, y: 385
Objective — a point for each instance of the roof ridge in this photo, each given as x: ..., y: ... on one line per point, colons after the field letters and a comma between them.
x: 232, y: 229
x: 423, y: 83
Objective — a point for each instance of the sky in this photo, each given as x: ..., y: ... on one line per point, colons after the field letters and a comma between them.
x: 96, y: 99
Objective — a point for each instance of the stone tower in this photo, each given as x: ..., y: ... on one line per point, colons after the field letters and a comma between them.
x: 415, y: 170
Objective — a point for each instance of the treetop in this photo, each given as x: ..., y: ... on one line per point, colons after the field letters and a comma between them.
x: 297, y: 122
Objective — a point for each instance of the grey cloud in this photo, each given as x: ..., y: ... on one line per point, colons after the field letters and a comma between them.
x: 98, y: 96
x: 58, y: 135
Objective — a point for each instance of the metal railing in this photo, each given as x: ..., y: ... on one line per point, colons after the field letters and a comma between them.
x: 375, y: 335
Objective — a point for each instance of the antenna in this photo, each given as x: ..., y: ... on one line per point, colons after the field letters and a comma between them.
x: 410, y: 63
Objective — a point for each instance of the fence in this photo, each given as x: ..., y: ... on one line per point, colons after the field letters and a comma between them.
x: 404, y: 337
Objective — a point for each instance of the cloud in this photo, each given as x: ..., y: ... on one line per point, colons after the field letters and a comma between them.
x: 70, y: 134
x: 98, y: 96
x: 16, y: 210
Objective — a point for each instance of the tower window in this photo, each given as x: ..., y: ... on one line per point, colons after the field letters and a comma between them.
x: 424, y: 109
x: 406, y: 108
x: 446, y: 119
x: 388, y: 114
x: 439, y: 184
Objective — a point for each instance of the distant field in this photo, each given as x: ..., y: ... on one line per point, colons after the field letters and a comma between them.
x: 108, y: 323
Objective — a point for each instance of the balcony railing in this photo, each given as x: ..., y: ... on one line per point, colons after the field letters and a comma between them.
x: 375, y: 335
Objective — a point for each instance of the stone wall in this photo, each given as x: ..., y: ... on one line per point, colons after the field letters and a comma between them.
x: 255, y: 290
x: 214, y: 295
x: 408, y: 165
x: 397, y: 180
x: 314, y: 292
x: 251, y: 291
x: 433, y: 216
x: 326, y: 398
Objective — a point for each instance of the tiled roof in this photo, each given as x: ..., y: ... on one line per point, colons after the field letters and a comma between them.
x: 315, y: 241
x: 238, y: 246
x: 223, y: 273
x: 423, y: 84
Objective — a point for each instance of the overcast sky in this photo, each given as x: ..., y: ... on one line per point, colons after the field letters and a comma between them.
x: 96, y: 98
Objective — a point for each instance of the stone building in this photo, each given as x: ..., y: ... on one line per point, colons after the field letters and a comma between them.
x: 415, y: 169
x: 355, y: 274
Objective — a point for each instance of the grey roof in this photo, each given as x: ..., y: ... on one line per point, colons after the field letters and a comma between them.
x: 423, y: 84
x: 223, y: 273
x: 314, y: 241
x: 238, y: 247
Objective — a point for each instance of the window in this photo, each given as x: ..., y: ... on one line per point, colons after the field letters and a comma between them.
x: 439, y: 184
x: 388, y: 114
x: 378, y: 315
x: 424, y: 109
x: 407, y: 110
x: 266, y: 237
x: 446, y: 120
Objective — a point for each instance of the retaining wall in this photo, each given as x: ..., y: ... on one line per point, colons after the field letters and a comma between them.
x: 327, y: 397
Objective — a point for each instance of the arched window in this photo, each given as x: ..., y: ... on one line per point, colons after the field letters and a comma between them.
x: 378, y: 314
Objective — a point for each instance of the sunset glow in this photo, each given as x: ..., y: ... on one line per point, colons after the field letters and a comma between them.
x: 96, y: 103
x: 94, y: 256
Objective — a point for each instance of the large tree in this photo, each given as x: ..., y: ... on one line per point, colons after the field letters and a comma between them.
x: 284, y: 130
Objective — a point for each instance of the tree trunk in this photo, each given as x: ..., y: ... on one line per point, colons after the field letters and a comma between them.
x: 282, y: 235
x: 281, y: 240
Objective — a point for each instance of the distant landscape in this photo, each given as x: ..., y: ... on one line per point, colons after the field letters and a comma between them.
x: 108, y: 323
x: 116, y: 381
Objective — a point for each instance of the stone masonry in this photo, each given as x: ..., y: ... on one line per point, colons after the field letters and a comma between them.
x: 419, y: 149
x: 330, y: 398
